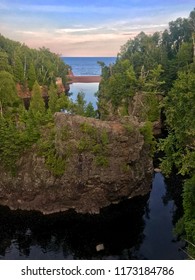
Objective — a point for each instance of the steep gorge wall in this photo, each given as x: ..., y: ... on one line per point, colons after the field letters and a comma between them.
x: 104, y: 163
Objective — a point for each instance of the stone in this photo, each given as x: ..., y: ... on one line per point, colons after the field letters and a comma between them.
x: 157, y: 170
x: 103, y: 172
x: 100, y: 247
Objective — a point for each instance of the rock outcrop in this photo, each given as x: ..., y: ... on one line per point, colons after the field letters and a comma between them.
x: 104, y: 163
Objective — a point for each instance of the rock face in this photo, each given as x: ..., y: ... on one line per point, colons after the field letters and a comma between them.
x: 105, y: 162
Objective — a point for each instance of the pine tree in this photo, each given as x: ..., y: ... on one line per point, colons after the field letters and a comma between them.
x: 90, y: 111
x: 18, y: 70
x: 37, y: 105
x: 31, y: 76
x: 8, y: 93
x: 53, y: 98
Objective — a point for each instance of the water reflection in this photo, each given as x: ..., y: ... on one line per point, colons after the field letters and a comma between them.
x: 137, y: 229
x: 88, y: 88
x: 71, y: 236
x: 159, y: 242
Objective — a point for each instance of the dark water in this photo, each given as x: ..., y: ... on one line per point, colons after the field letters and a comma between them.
x: 141, y: 228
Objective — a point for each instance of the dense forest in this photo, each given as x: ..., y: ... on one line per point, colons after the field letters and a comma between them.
x: 156, y: 73
x: 32, y: 74
x: 153, y: 79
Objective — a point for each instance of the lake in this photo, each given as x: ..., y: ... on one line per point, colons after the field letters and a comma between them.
x: 86, y: 66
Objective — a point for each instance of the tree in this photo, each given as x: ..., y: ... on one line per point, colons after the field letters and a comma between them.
x: 31, y: 76
x: 90, y: 111
x: 184, y: 56
x: 4, y: 64
x: 18, y: 70
x: 53, y: 98
x: 179, y: 146
x: 8, y: 93
x: 63, y: 103
x: 37, y: 105
x: 80, y: 105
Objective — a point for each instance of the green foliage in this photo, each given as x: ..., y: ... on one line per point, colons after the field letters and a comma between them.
x: 37, y: 105
x: 16, y: 138
x: 80, y: 104
x: 180, y: 111
x: 101, y: 161
x: 18, y: 70
x: 55, y: 163
x: 63, y: 103
x: 4, y: 63
x: 53, y: 97
x: 147, y: 132
x: 128, y: 127
x: 8, y: 94
x: 186, y: 225
x: 88, y: 129
x: 31, y: 76
x: 94, y: 141
x: 90, y: 111
x: 18, y: 59
x: 121, y: 84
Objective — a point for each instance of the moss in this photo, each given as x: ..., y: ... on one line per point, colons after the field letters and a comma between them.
x: 84, y: 145
x: 104, y: 138
x: 125, y: 167
x: 65, y: 133
x: 101, y: 161
x: 97, y: 149
x: 54, y: 162
x: 94, y: 141
x: 128, y: 128
x: 146, y: 131
x: 88, y: 129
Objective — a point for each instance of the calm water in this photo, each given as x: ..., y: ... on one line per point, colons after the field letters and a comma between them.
x: 86, y: 66
x: 140, y: 228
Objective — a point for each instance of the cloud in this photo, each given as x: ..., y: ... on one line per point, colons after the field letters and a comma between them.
x: 74, y: 29
x: 88, y: 28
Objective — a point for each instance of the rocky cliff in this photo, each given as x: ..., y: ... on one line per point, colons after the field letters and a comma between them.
x: 97, y: 163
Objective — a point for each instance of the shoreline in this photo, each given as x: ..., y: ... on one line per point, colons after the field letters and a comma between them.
x: 83, y: 79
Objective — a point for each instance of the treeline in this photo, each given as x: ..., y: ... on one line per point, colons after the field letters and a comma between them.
x: 158, y: 73
x: 29, y: 65
x: 20, y: 128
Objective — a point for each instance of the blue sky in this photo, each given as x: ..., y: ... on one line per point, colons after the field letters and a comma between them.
x: 86, y: 27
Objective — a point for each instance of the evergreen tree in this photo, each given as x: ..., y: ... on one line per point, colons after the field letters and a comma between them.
x: 90, y: 111
x: 4, y: 64
x: 18, y: 70
x: 37, y: 105
x: 8, y: 93
x: 31, y: 76
x: 80, y: 105
x: 53, y: 98
x: 63, y: 103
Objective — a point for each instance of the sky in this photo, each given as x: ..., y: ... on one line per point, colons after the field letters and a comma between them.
x: 86, y: 27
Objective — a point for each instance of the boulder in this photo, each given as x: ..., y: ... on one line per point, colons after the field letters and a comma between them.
x: 105, y: 162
